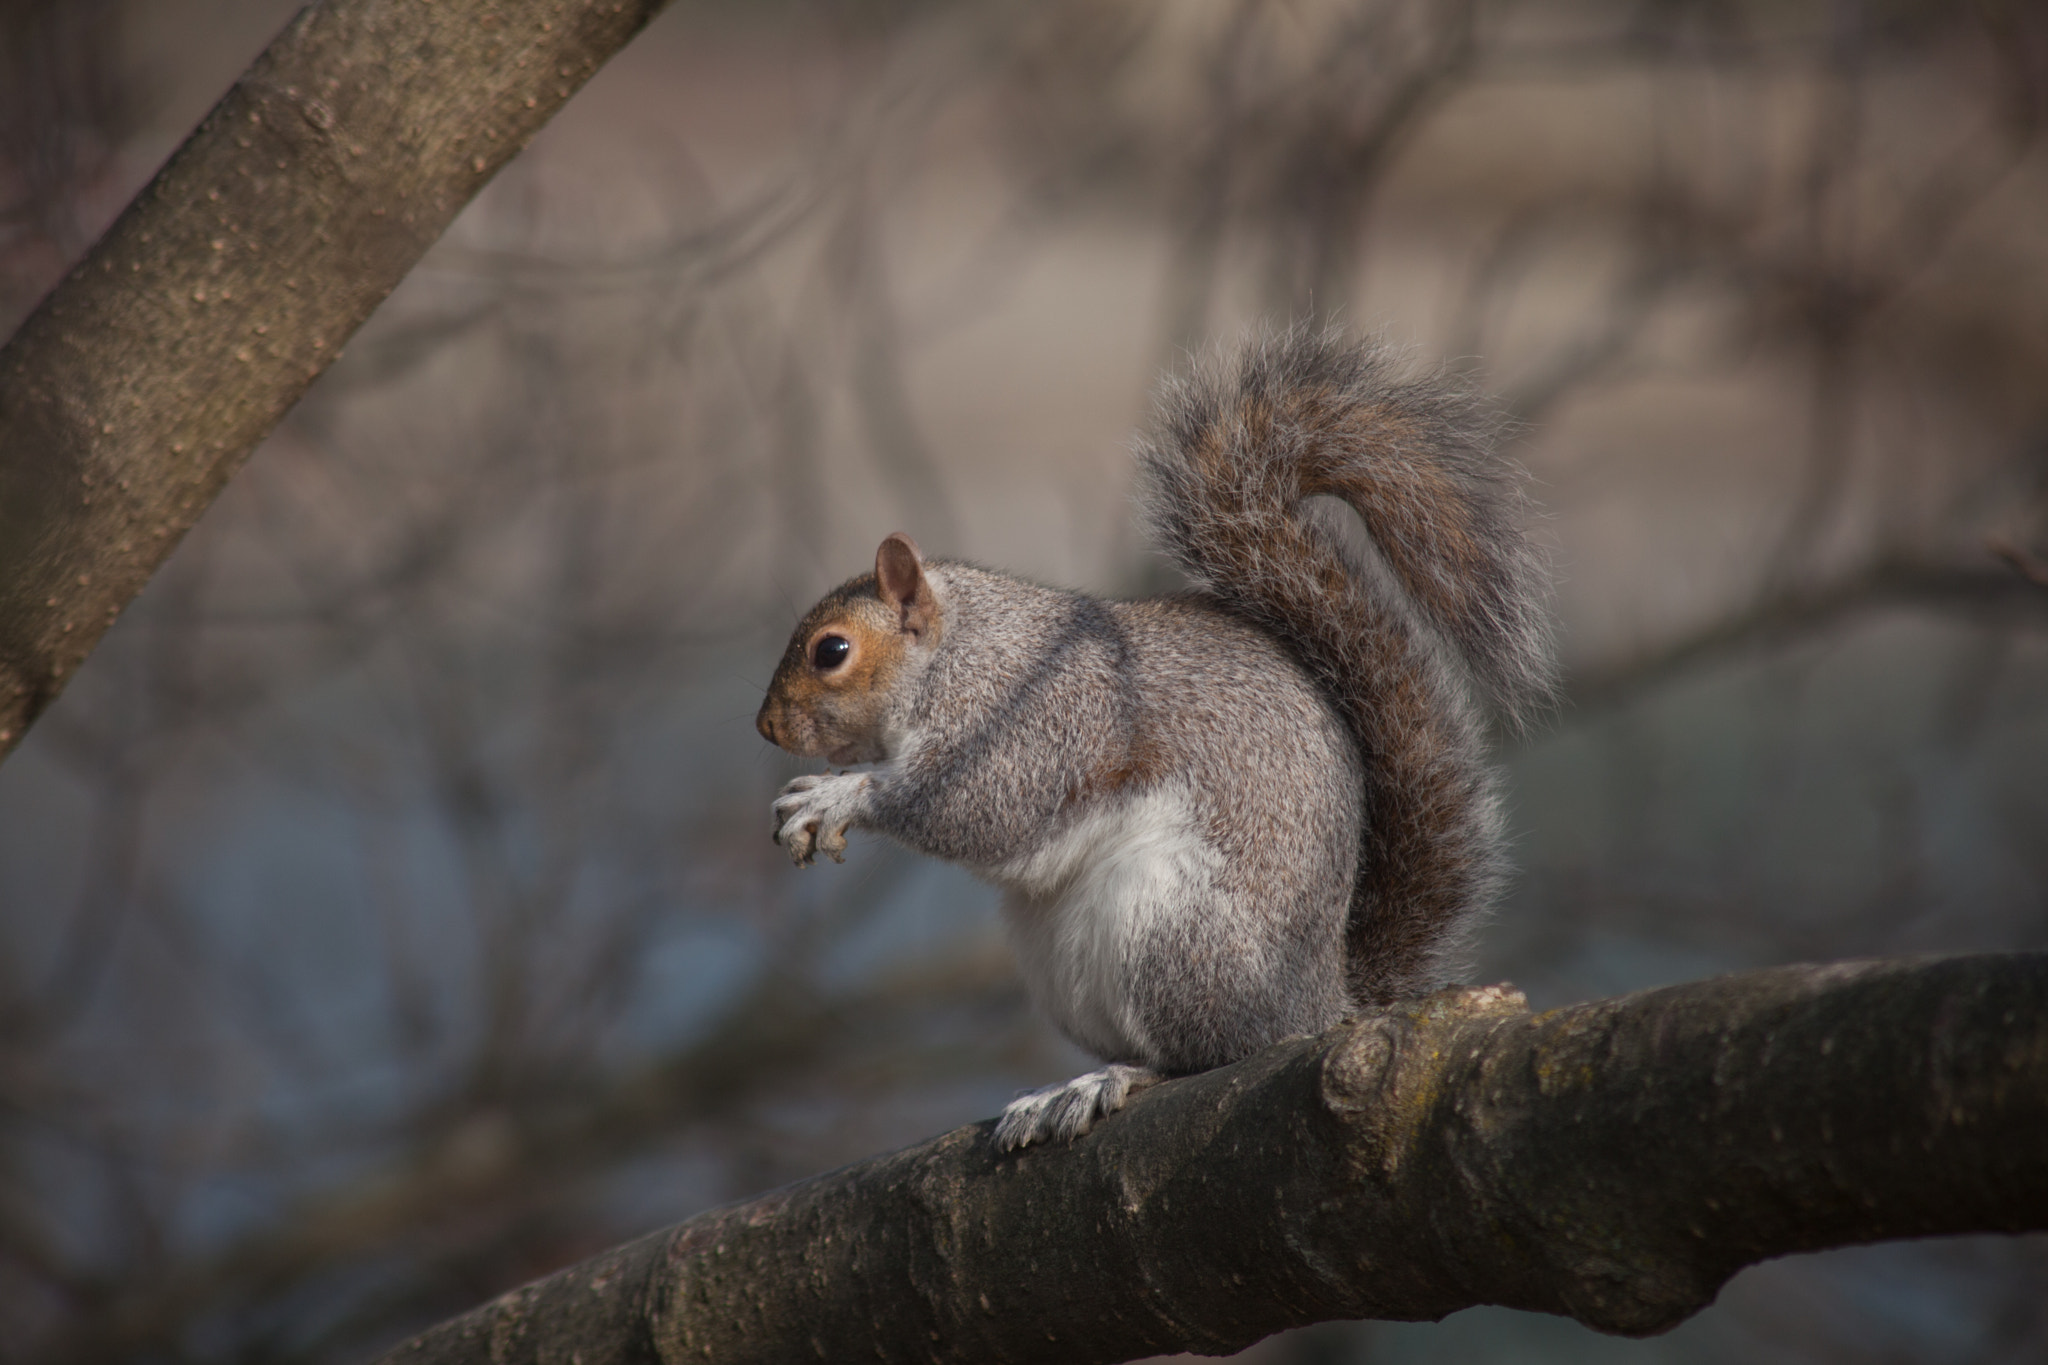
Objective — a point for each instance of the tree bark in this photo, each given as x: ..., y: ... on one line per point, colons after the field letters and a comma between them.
x: 139, y: 386
x: 1614, y: 1162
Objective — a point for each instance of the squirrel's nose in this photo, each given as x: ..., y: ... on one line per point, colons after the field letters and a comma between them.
x: 766, y: 727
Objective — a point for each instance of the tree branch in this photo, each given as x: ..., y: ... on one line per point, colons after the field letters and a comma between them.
x: 1615, y: 1162
x: 1960, y: 591
x: 140, y: 385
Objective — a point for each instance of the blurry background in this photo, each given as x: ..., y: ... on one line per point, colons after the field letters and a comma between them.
x: 387, y: 912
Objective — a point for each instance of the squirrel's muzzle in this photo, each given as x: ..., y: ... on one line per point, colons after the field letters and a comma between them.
x: 787, y: 727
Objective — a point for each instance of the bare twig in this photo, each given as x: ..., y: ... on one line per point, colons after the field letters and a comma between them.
x: 1803, y: 613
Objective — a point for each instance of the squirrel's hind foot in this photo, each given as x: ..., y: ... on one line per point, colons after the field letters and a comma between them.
x: 1065, y: 1111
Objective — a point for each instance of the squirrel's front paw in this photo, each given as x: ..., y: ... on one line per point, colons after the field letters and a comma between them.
x: 813, y: 814
x: 1069, y: 1109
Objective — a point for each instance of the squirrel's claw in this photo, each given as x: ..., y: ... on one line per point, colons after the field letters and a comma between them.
x: 1063, y: 1112
x: 813, y: 814
x: 797, y: 840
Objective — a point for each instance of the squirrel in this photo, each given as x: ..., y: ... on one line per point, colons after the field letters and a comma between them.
x: 1230, y: 815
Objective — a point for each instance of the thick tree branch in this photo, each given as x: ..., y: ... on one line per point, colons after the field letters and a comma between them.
x: 1615, y: 1162
x: 140, y: 385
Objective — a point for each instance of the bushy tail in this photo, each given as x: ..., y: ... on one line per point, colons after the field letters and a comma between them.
x: 1458, y: 590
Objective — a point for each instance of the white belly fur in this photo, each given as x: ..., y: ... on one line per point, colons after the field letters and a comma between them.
x: 1080, y: 905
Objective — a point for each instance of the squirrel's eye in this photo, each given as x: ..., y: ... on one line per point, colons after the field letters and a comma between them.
x: 831, y: 651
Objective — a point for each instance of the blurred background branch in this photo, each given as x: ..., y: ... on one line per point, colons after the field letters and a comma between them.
x: 387, y: 913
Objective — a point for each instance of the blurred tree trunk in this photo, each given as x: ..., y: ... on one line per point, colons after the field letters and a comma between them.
x: 1615, y: 1162
x: 139, y: 386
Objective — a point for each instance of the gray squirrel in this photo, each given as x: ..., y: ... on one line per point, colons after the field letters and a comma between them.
x: 1230, y: 815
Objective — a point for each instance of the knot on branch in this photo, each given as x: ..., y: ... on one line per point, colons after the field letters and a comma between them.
x: 1385, y: 1078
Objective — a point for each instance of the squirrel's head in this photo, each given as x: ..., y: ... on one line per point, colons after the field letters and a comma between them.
x: 832, y: 693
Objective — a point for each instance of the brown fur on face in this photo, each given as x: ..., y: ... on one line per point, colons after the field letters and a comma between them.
x: 839, y: 713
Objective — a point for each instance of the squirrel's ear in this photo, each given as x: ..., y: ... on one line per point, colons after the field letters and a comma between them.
x: 899, y: 574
